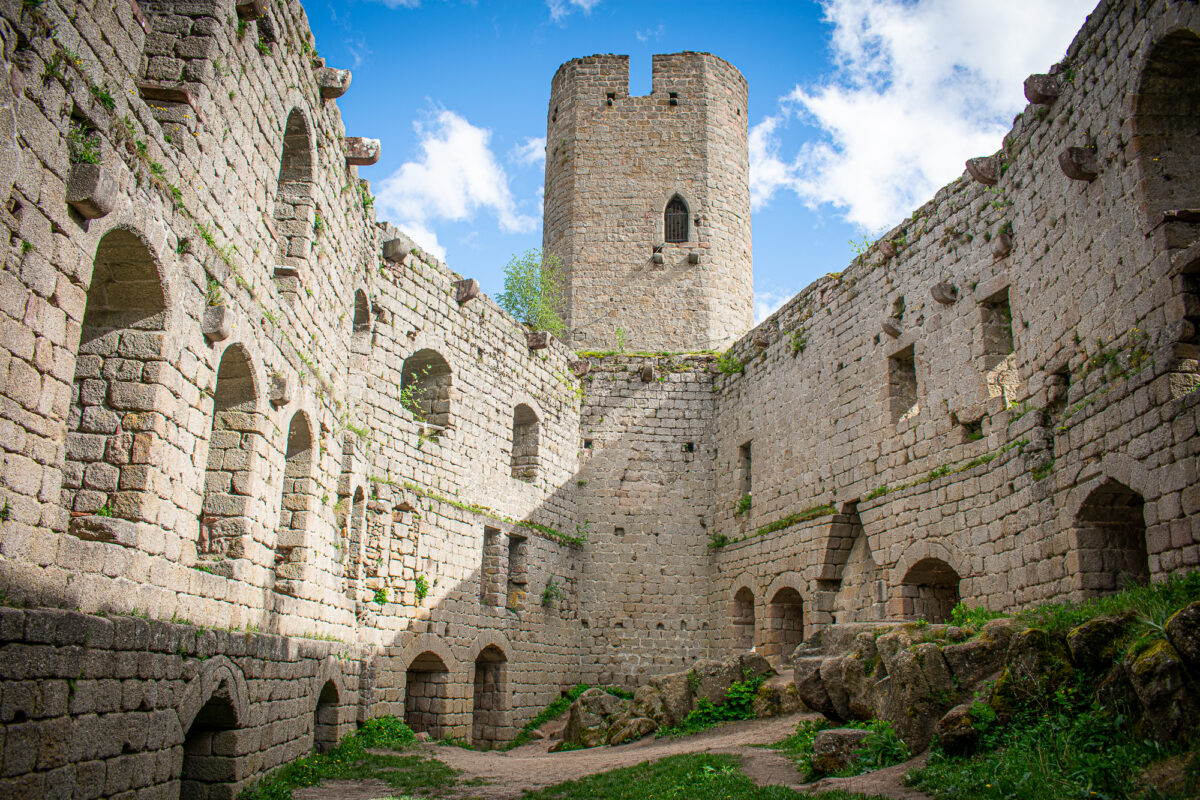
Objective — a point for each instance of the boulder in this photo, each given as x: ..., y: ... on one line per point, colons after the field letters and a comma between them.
x: 917, y: 693
x: 1038, y: 662
x: 674, y: 695
x: 1183, y: 629
x: 833, y: 749
x: 753, y: 666
x: 713, y: 678
x: 590, y: 717
x: 859, y: 677
x: 628, y: 726
x: 806, y: 672
x: 1164, y: 689
x: 978, y: 659
x: 1093, y: 644
x: 956, y: 731
x: 831, y: 677
x: 776, y: 697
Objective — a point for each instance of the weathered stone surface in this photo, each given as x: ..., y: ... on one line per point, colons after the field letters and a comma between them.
x: 809, y: 686
x: 333, y: 82
x: 92, y: 190
x: 466, y: 290
x: 833, y: 748
x: 1042, y: 89
x: 978, y: 659
x: 986, y: 170
x: 1037, y: 662
x: 1167, y: 693
x: 1079, y: 163
x: 1183, y: 629
x: 217, y: 323
x: 590, y: 717
x: 675, y: 695
x: 957, y: 732
x: 1093, y: 644
x: 362, y: 152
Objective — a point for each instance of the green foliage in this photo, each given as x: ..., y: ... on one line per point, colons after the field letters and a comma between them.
x: 796, y: 518
x: 104, y: 511
x: 738, y: 703
x: 103, y: 96
x: 728, y: 364
x: 214, y: 295
x: 5, y: 512
x: 965, y: 616
x: 1063, y: 746
x: 551, y: 594
x: 1151, y: 605
x: 83, y: 144
x: 421, y: 585
x: 264, y: 47
x: 742, y: 505
x: 694, y: 776
x: 349, y: 760
x: 797, y: 341
x: 241, y: 28
x: 26, y: 247
x: 381, y: 597
x: 717, y: 540
x: 620, y: 340
x: 533, y: 290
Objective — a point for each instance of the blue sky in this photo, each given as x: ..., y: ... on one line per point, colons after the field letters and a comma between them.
x: 859, y: 109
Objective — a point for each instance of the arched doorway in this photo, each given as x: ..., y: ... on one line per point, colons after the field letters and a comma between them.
x: 743, y: 620
x: 427, y: 694
x: 491, y: 697
x: 785, y: 623
x: 205, y: 770
x: 930, y: 590
x: 325, y: 719
x: 1110, y: 535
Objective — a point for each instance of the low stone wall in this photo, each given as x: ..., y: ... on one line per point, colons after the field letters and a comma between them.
x: 96, y: 706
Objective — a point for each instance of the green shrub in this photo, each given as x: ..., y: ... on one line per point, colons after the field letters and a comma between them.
x: 738, y: 703
x: 965, y: 616
x: 881, y: 748
x: 533, y: 290
x: 385, y: 732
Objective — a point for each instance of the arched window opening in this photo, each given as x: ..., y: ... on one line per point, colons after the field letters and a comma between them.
x: 425, y: 390
x: 294, y: 507
x: 294, y: 206
x: 427, y: 695
x: 235, y: 438
x: 675, y: 221
x: 353, y: 531
x: 362, y: 313
x: 1166, y: 127
x: 785, y: 623
x: 120, y: 341
x: 743, y: 620
x: 325, y: 719
x: 525, y: 461
x: 208, y: 771
x: 930, y: 590
x: 489, y: 718
x: 1110, y: 532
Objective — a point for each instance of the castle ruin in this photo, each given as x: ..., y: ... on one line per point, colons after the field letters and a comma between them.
x: 269, y: 469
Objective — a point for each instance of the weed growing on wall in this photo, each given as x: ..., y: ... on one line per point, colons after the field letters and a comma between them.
x: 533, y: 290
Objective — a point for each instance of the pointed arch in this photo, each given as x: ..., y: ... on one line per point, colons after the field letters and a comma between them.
x: 675, y: 221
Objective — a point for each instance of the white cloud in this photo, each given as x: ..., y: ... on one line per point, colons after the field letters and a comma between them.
x: 651, y: 33
x: 400, y: 3
x: 919, y: 88
x: 768, y: 302
x: 561, y: 8
x: 456, y: 175
x: 533, y: 151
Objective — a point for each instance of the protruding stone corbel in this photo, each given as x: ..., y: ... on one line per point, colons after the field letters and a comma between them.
x: 887, y: 250
x: 91, y: 190
x: 395, y: 250
x: 1002, y: 245
x: 216, y: 323
x: 1079, y: 163
x: 985, y: 169
x: 647, y: 373
x: 251, y: 9
x: 333, y: 82
x: 891, y: 327
x: 581, y: 367
x: 762, y: 341
x: 281, y: 390
x: 1042, y: 90
x: 406, y: 499
x: 362, y: 152
x: 945, y: 293
x: 537, y: 340
x: 466, y: 290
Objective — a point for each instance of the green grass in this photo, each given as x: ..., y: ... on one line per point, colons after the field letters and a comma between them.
x: 1151, y: 605
x: 1063, y: 746
x: 409, y: 773
x: 697, y: 776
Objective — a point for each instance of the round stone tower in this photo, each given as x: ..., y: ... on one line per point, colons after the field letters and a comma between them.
x: 648, y: 202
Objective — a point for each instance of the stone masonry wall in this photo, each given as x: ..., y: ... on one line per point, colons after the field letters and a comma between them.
x: 613, y: 162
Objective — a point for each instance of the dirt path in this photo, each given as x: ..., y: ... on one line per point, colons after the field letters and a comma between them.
x: 506, y: 775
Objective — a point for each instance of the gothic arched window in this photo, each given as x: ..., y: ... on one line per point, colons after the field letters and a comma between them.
x: 675, y: 220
